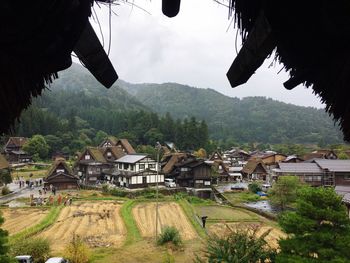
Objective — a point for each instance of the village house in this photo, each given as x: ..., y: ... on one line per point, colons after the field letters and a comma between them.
x: 320, y: 154
x: 94, y: 160
x: 61, y: 176
x: 270, y: 158
x: 220, y: 166
x: 309, y: 173
x: 325, y: 172
x: 135, y: 171
x: 255, y: 169
x: 14, y: 152
x: 192, y: 173
x: 237, y: 157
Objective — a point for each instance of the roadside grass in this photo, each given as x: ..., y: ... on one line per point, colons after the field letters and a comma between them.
x: 50, y: 219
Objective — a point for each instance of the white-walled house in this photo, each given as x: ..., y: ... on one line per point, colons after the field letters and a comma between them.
x: 136, y: 171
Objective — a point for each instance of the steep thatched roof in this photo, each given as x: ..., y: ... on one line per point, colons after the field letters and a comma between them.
x: 116, y: 151
x: 37, y: 39
x: 56, y: 163
x: 311, y: 39
x: 124, y: 143
x: 254, y: 164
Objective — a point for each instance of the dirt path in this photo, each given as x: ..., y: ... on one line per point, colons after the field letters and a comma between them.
x: 98, y: 223
x: 18, y: 219
x: 272, y: 238
x: 170, y: 214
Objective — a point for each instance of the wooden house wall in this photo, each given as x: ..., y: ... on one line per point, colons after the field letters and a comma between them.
x: 342, y: 179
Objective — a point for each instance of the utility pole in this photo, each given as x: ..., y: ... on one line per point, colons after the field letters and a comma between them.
x: 158, y: 147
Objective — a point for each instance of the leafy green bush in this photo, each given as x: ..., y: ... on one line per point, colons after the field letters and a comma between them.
x: 77, y: 251
x: 196, y: 200
x: 180, y: 195
x: 254, y: 187
x: 5, y: 190
x: 169, y: 234
x: 239, y: 245
x: 38, y: 248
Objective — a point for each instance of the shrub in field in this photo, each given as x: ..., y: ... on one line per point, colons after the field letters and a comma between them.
x: 77, y: 251
x: 169, y: 234
x: 38, y: 248
x: 254, y: 187
x: 238, y: 246
x: 5, y: 190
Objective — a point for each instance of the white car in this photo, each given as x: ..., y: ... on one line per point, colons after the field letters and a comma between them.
x: 169, y: 183
x: 24, y: 259
x: 57, y: 260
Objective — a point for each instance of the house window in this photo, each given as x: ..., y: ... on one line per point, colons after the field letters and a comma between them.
x: 199, y: 181
x: 120, y: 166
x: 126, y: 166
x: 87, y: 157
x: 207, y: 183
x: 60, y: 171
x: 152, y: 165
x: 109, y: 154
x: 142, y: 166
x: 184, y: 169
x: 132, y: 167
x: 347, y: 177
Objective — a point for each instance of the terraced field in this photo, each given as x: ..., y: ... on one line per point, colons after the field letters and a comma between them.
x: 170, y: 214
x: 18, y: 219
x: 98, y: 223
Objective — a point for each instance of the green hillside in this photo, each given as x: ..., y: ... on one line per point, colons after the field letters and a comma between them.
x: 252, y: 119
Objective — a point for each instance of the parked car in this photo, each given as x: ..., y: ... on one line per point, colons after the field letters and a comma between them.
x: 24, y: 259
x: 169, y: 183
x: 57, y: 260
x: 265, y: 187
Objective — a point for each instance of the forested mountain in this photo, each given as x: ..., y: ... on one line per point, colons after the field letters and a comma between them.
x: 77, y: 103
x: 251, y: 119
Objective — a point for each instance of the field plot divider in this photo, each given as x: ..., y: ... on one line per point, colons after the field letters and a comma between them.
x: 193, y: 218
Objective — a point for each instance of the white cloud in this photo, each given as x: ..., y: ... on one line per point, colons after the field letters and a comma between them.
x: 193, y: 48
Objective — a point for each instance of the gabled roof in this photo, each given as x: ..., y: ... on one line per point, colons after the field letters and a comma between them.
x: 3, y: 162
x: 116, y: 151
x: 216, y: 153
x: 334, y: 165
x: 252, y: 164
x: 55, y: 164
x: 131, y: 158
x: 17, y: 141
x: 126, y: 145
x: 174, y: 158
x: 291, y: 158
x: 113, y: 140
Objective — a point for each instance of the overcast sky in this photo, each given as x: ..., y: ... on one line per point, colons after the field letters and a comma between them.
x: 194, y: 48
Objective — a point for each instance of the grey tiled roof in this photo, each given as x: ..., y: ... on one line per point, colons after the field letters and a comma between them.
x: 334, y: 165
x: 301, y: 168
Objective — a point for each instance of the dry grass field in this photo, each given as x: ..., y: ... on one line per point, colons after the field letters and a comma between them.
x: 18, y: 219
x: 98, y: 223
x: 170, y: 214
